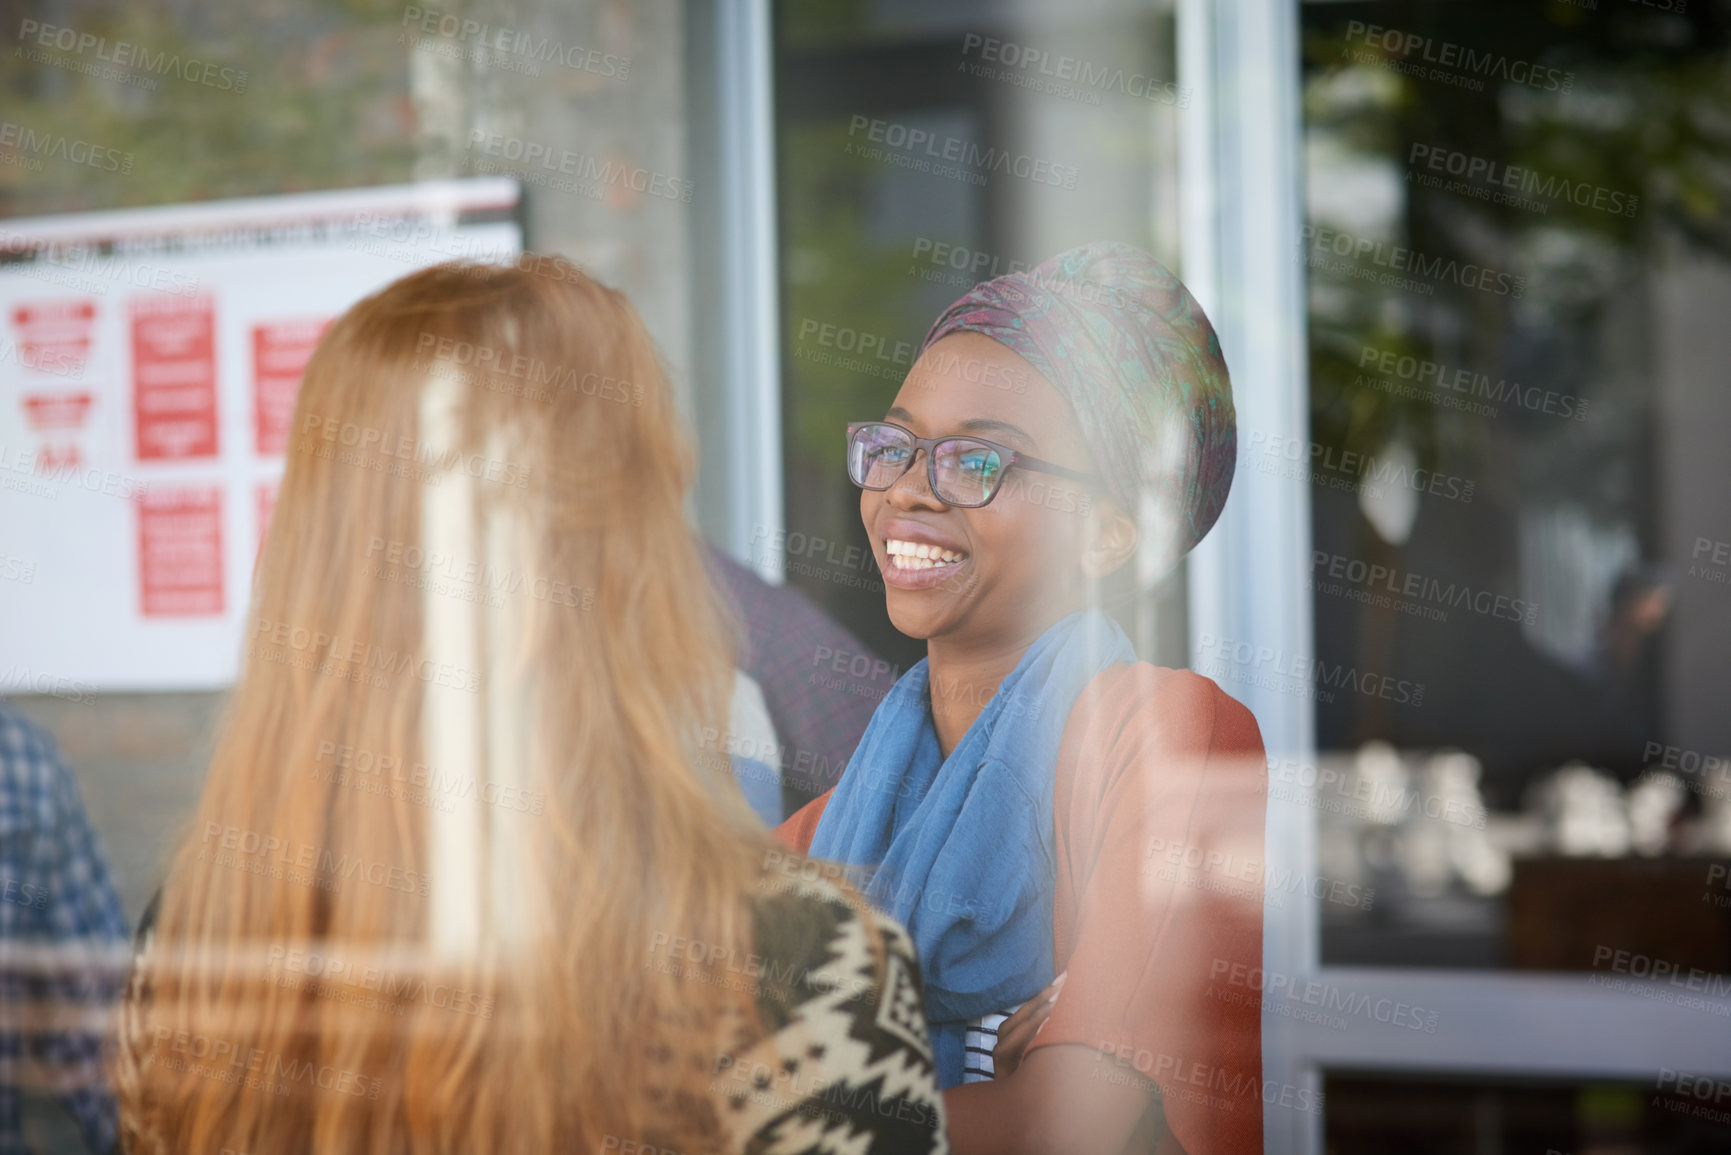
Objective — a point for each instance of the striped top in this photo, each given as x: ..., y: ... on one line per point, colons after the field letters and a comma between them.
x: 982, y: 1040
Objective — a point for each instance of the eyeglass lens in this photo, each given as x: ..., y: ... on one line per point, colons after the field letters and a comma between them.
x: 967, y: 472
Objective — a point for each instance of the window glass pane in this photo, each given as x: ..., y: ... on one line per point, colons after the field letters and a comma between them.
x: 1368, y: 1115
x: 209, y: 102
x: 118, y: 105
x: 924, y: 148
x: 1519, y: 268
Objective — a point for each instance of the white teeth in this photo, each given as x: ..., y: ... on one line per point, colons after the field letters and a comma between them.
x: 911, y: 555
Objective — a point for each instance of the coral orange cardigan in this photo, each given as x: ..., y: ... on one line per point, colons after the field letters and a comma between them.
x: 1158, y: 820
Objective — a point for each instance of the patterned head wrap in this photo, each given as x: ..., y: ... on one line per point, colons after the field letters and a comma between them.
x: 1122, y: 338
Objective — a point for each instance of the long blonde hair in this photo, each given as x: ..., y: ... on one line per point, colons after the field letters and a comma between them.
x: 458, y: 805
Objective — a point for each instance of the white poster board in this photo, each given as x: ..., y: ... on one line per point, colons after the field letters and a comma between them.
x: 148, y: 366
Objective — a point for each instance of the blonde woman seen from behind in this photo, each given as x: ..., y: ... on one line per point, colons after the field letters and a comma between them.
x: 468, y: 873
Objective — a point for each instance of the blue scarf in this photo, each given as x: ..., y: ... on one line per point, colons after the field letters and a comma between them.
x: 959, y: 849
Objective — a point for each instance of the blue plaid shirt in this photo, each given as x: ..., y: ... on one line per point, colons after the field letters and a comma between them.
x: 63, y: 940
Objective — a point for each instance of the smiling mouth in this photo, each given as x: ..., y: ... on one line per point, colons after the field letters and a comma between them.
x: 913, y: 555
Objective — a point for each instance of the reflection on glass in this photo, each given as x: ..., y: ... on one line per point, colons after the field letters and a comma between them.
x: 924, y: 149
x: 1518, y: 263
x: 1671, y: 1112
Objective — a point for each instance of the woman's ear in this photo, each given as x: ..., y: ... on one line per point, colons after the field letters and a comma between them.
x: 1108, y: 541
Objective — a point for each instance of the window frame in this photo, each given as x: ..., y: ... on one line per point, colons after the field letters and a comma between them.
x: 1241, y: 187
x: 736, y: 307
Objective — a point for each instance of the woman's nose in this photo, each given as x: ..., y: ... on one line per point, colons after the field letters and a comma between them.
x: 913, y: 488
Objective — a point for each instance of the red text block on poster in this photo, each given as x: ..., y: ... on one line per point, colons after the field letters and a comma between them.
x: 174, y: 377
x: 55, y: 335
x: 280, y: 350
x: 180, y: 551
x: 52, y: 411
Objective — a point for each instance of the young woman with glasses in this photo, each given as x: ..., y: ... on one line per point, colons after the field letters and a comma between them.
x: 466, y: 875
x: 1063, y: 829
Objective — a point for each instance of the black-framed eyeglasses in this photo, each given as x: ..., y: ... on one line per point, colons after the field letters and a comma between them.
x: 961, y: 471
